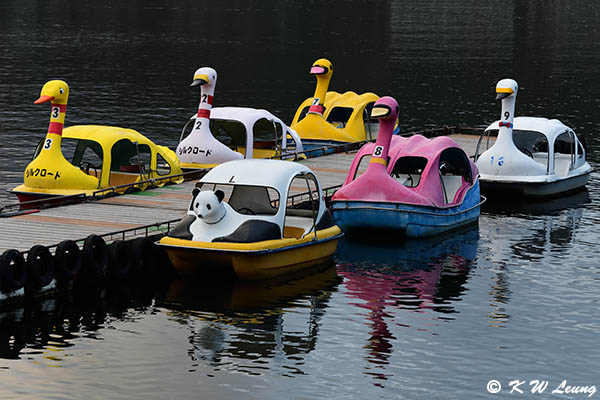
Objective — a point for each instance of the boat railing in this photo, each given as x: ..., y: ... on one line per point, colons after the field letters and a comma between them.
x: 27, y: 207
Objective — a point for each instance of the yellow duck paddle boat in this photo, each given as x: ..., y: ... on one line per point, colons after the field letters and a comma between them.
x: 100, y: 156
x: 332, y: 117
x: 215, y: 135
x: 241, y: 218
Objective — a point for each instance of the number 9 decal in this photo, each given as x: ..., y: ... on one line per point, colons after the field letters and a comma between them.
x: 506, y: 115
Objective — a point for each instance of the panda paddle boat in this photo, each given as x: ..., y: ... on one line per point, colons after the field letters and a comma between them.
x: 531, y: 156
x: 100, y: 156
x: 216, y: 135
x: 241, y: 218
x: 332, y: 117
x: 416, y: 186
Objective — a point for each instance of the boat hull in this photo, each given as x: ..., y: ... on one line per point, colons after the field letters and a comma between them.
x: 498, y: 189
x: 251, y: 261
x: 413, y: 221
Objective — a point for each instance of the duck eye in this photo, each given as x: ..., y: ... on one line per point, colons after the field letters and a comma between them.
x: 61, y: 90
x: 208, y: 207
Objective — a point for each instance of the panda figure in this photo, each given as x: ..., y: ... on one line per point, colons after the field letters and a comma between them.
x: 210, y: 219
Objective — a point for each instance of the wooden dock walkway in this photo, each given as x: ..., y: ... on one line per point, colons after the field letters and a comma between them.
x: 50, y: 226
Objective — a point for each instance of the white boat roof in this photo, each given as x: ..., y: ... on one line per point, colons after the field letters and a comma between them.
x: 246, y: 115
x: 551, y: 128
x: 257, y: 172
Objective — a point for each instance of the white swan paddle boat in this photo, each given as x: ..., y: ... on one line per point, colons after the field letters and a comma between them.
x: 531, y: 156
x: 216, y: 135
x: 241, y: 218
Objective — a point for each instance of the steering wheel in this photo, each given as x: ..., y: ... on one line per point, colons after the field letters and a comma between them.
x: 525, y: 151
x: 86, y: 166
x: 246, y: 211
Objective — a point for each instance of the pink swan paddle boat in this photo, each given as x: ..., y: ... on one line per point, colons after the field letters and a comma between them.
x: 418, y: 186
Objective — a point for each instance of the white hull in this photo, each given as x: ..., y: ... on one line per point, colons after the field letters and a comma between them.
x: 497, y: 185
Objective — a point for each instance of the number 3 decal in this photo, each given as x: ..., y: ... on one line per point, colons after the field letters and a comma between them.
x: 47, y: 144
x: 378, y: 151
x: 55, y: 112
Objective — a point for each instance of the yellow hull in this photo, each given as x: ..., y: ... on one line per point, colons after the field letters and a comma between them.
x: 252, y: 261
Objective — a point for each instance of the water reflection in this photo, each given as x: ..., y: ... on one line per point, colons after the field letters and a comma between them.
x: 528, y: 231
x: 42, y: 330
x: 242, y: 325
x: 418, y: 275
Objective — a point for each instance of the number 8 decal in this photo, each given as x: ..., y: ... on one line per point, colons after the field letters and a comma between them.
x: 378, y: 151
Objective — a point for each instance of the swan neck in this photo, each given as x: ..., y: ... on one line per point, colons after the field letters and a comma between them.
x: 320, y: 93
x: 206, y: 100
x: 505, y: 132
x: 382, y: 144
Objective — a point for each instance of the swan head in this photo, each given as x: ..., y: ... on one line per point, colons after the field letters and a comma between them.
x: 204, y: 76
x: 56, y: 91
x: 322, y: 67
x: 385, y: 108
x: 506, y: 88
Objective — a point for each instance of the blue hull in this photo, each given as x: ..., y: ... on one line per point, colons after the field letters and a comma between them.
x: 412, y: 220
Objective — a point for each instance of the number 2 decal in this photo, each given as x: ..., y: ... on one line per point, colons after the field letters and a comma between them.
x: 198, y: 124
x: 204, y: 98
x: 55, y: 112
x: 47, y: 144
x: 315, y: 101
x: 378, y: 151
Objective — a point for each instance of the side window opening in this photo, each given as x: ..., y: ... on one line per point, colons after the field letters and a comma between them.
x: 302, y: 206
x: 231, y: 133
x: 454, y: 170
x: 162, y: 166
x: 339, y: 116
x: 408, y: 170
x: 564, y: 153
x: 88, y: 156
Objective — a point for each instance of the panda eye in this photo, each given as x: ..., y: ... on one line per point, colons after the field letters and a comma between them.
x: 197, y: 205
x: 208, y: 207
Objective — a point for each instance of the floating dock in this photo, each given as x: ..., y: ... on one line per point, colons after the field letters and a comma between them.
x: 157, y: 210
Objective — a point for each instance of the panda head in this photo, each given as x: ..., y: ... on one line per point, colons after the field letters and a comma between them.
x: 208, y: 205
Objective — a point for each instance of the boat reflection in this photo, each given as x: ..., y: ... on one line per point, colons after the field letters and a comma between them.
x: 415, y: 275
x: 242, y: 324
x: 525, y: 233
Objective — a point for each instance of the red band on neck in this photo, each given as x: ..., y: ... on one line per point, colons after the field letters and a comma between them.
x: 209, y: 99
x: 56, y: 128
x: 316, y: 109
x: 61, y: 107
x: 202, y: 113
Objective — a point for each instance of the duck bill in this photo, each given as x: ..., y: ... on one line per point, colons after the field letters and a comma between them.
x: 381, y: 111
x: 318, y: 70
x: 199, y: 80
x: 43, y: 99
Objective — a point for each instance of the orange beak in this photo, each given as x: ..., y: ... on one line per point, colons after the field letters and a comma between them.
x: 43, y: 99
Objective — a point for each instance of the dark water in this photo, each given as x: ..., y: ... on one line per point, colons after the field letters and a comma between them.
x: 514, y: 298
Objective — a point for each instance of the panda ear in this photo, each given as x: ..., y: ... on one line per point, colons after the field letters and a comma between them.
x: 195, y: 192
x: 220, y: 195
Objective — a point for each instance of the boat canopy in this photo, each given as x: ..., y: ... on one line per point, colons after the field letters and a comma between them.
x: 257, y: 172
x: 250, y: 129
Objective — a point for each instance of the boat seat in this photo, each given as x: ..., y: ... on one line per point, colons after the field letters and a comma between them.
x: 122, y: 178
x: 294, y: 222
x: 452, y: 184
x: 562, y: 164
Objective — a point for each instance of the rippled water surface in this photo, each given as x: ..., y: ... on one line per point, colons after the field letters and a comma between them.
x: 515, y: 298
